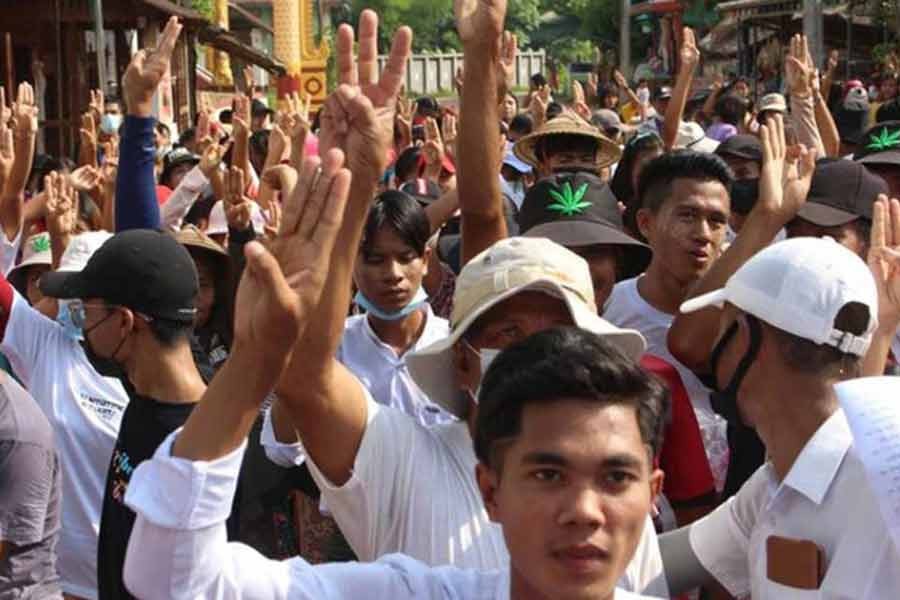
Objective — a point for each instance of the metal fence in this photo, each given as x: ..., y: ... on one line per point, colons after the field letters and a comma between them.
x: 434, y: 73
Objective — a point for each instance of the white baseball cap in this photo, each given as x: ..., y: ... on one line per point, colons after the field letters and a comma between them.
x: 507, y: 268
x: 799, y: 286
x: 80, y: 250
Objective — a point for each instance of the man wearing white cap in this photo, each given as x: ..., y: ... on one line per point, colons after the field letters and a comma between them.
x: 84, y: 408
x: 798, y: 316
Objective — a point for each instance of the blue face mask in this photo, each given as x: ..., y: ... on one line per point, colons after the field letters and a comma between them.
x: 417, y: 302
x: 64, y: 318
x: 110, y: 123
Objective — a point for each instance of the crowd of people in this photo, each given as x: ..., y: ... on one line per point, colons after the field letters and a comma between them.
x: 574, y: 344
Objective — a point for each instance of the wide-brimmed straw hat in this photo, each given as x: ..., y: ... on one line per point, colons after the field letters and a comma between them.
x: 608, y: 152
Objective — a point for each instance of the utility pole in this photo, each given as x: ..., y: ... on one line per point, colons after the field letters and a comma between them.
x: 813, y: 29
x: 100, y: 44
x: 625, y: 39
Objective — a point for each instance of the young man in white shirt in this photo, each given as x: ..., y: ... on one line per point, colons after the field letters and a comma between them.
x: 566, y: 434
x: 799, y: 317
x: 84, y: 408
x: 684, y: 216
x: 393, y: 260
x: 391, y: 484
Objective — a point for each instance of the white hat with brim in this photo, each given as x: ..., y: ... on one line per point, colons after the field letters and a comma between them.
x: 799, y: 286
x: 35, y: 251
x: 433, y: 369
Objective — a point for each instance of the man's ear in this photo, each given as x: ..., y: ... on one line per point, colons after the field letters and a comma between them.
x: 488, y: 485
x: 644, y: 219
x: 656, y: 482
x: 426, y: 259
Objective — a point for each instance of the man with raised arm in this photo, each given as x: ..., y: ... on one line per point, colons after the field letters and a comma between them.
x: 391, y: 484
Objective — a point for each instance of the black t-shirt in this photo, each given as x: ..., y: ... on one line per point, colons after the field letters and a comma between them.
x: 145, y: 425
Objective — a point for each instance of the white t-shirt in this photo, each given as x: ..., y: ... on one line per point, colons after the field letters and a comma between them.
x: 178, y: 549
x: 413, y: 491
x: 384, y: 374
x: 825, y: 498
x: 85, y: 410
x: 627, y: 308
x: 9, y: 250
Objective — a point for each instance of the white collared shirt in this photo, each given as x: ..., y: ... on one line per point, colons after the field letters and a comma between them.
x: 385, y: 374
x: 825, y: 498
x: 178, y: 549
x: 413, y: 490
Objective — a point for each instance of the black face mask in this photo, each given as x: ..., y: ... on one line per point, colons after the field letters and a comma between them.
x: 724, y: 400
x: 744, y: 193
x: 108, y: 367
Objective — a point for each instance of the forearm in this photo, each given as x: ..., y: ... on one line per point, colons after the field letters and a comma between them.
x: 14, y: 189
x: 692, y: 336
x: 58, y: 245
x: 136, y: 204
x: 240, y: 156
x: 182, y: 199
x: 831, y: 139
x: 222, y: 420
x: 298, y: 150
x: 481, y: 203
x: 803, y: 113
x: 441, y: 210
x: 675, y: 110
x: 709, y: 105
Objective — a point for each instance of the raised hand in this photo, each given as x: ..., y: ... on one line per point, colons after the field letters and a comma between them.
x: 798, y: 69
x: 62, y: 206
x: 406, y: 108
x: 86, y: 178
x: 449, y: 132
x: 238, y: 210
x: 298, y: 110
x: 433, y: 150
x: 281, y: 178
x: 279, y: 142
x: 7, y: 153
x: 832, y: 64
x: 539, y: 103
x: 506, y: 74
x: 240, y: 117
x: 88, y: 133
x: 97, y: 105
x: 579, y: 105
x: 212, y: 157
x: 25, y: 111
x: 480, y: 22
x: 884, y: 259
x: 248, y: 80
x: 620, y: 79
x: 690, y: 54
x: 5, y: 110
x: 147, y: 69
x: 786, y: 174
x: 282, y: 285
x: 358, y: 117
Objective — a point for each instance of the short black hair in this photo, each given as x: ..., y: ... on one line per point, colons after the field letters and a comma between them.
x: 655, y: 181
x: 162, y: 128
x: 259, y: 142
x: 621, y: 183
x: 560, y: 364
x: 407, y: 164
x: 604, y: 90
x: 554, y: 109
x: 187, y: 136
x: 821, y: 360
x: 522, y: 124
x: 538, y: 80
x: 404, y: 215
x: 732, y: 109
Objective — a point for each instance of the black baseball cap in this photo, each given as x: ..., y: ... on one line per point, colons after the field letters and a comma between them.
x: 841, y: 191
x: 880, y: 145
x: 742, y: 146
x: 142, y: 269
x: 577, y: 209
x: 663, y: 93
x: 258, y: 108
x: 175, y: 157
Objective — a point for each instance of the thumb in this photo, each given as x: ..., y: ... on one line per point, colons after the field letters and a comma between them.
x: 265, y: 269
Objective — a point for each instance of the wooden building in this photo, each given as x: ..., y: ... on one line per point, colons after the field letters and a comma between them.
x: 51, y: 43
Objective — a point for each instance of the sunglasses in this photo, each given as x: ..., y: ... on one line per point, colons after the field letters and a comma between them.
x: 78, y: 312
